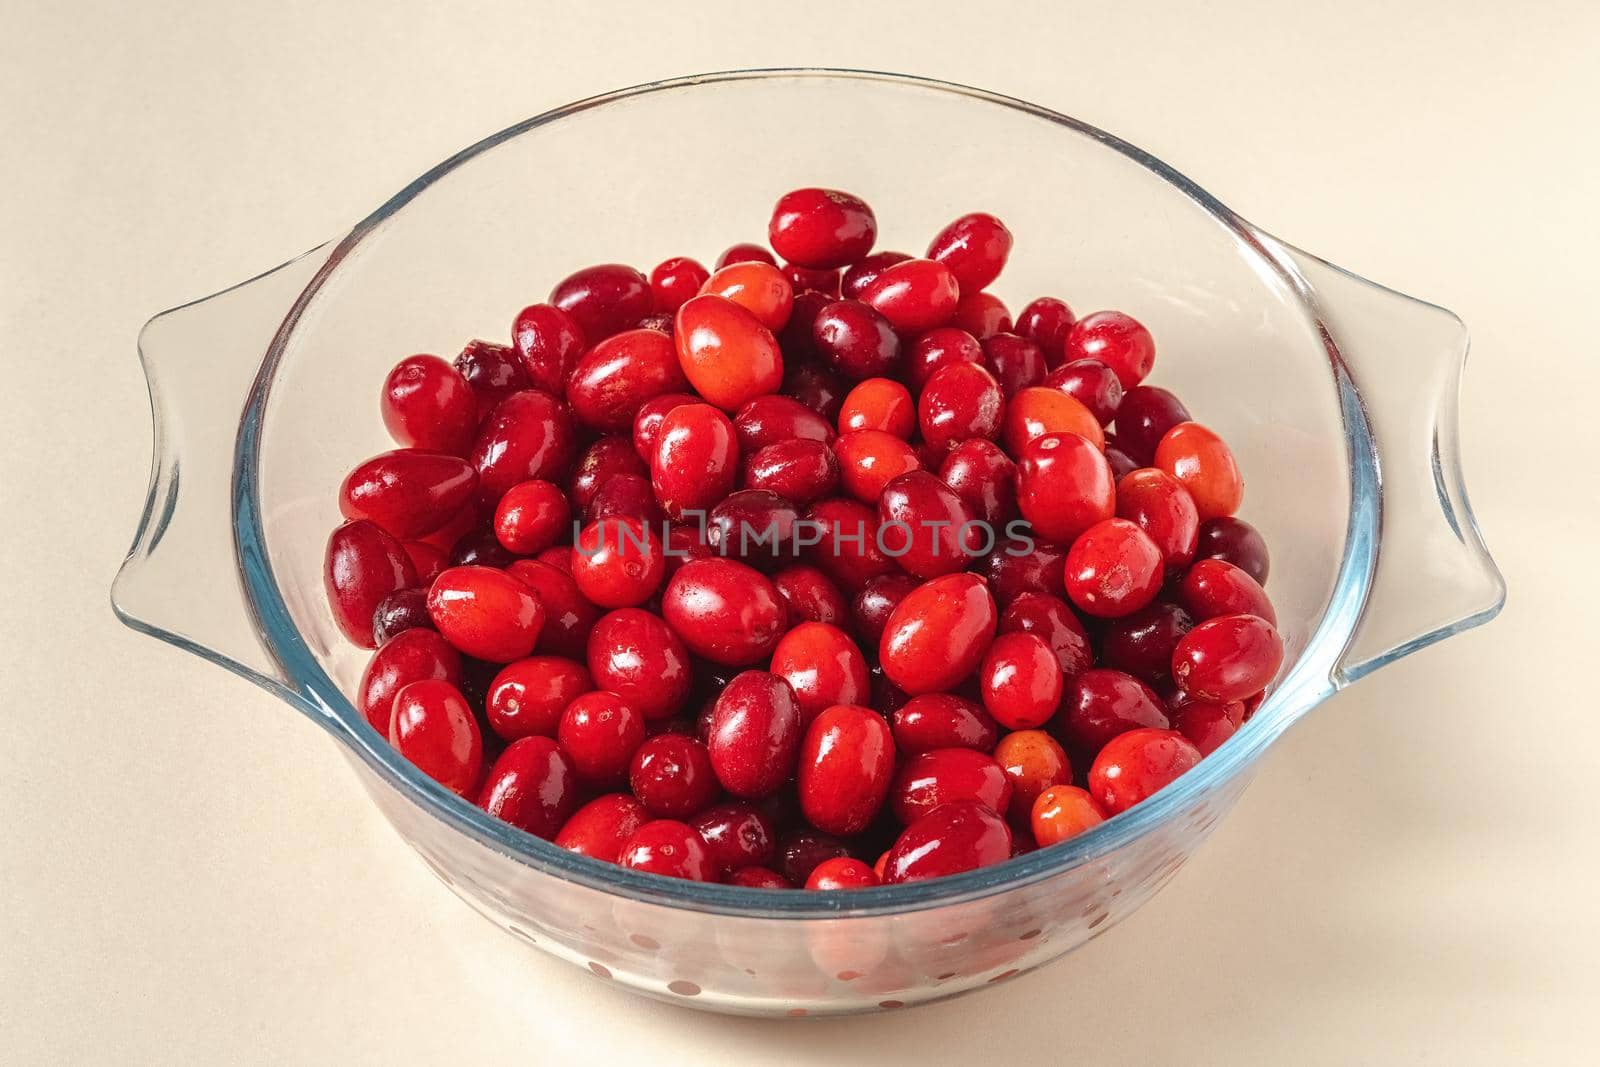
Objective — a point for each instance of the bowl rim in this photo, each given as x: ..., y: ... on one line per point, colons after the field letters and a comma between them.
x: 1308, y: 681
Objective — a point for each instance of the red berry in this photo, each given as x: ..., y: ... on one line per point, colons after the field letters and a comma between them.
x: 926, y: 528
x: 1102, y: 703
x: 943, y: 720
x: 822, y: 666
x: 486, y: 613
x: 1063, y: 811
x: 1202, y: 462
x: 1155, y: 502
x: 821, y: 228
x: 532, y: 516
x: 1237, y: 542
x: 846, y: 761
x: 1230, y: 657
x: 411, y: 656
x: 962, y: 835
x: 1136, y: 765
x: 864, y: 270
x: 619, y: 562
x: 759, y: 288
x: 930, y: 779
x: 674, y: 281
x: 635, y: 655
x: 981, y: 314
x: 408, y: 492
x: 362, y: 566
x: 612, y: 380
x: 1021, y: 681
x: 1144, y: 417
x: 725, y: 352
x: 527, y: 697
x: 532, y: 786
x: 879, y: 404
x: 842, y: 873
x: 1039, y: 410
x: 1047, y: 321
x: 1092, y: 384
x: 600, y: 732
x: 871, y: 459
x: 1033, y: 762
x: 745, y: 252
x: 1113, y: 569
x: 736, y: 836
x: 960, y: 402
x: 1212, y: 587
x: 568, y: 617
x: 1117, y: 340
x: 603, y: 300
x: 754, y: 739
x: 527, y: 435
x: 1049, y: 618
x: 548, y: 343
x: 427, y: 404
x: 696, y: 461
x: 432, y: 726
x: 1064, y: 486
x: 670, y: 848
x: 974, y: 248
x: 601, y: 827
x: 671, y: 775
x: 917, y: 294
x: 938, y: 634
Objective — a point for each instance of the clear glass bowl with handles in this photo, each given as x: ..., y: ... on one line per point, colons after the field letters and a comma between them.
x: 1337, y: 395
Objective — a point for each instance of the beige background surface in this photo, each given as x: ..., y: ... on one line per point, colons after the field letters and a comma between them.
x: 188, y: 872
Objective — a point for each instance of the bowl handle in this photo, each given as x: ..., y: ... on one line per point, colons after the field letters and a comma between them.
x: 1434, y: 576
x: 181, y: 580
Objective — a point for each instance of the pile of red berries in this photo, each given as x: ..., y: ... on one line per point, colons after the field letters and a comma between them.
x: 823, y: 575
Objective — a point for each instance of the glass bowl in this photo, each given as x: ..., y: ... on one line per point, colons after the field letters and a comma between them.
x: 1338, y: 396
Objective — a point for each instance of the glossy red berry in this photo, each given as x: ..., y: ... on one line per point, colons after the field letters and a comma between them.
x: 674, y: 281
x: 1092, y: 384
x: 981, y: 314
x: 1061, y: 812
x: 879, y: 404
x: 1039, y: 410
x: 917, y: 294
x: 1142, y: 642
x: 960, y: 402
x: 671, y: 775
x: 601, y: 827
x: 411, y: 656
x: 1237, y: 542
x: 1113, y: 569
x: 532, y: 516
x: 1018, y: 362
x: 548, y: 342
x: 930, y: 779
x: 846, y: 763
x: 821, y: 228
x: 433, y: 727
x: 408, y: 492
x: 1047, y: 321
x: 843, y: 535
x: 822, y: 666
x: 1160, y: 506
x: 1136, y: 765
x: 1050, y: 619
x: 619, y: 562
x: 1202, y: 462
x: 1230, y: 657
x: 869, y: 460
x: 637, y: 656
x: 942, y: 720
x: 759, y: 288
x: 1212, y: 587
x: 669, y: 848
x: 737, y: 836
x: 725, y: 352
x: 600, y: 732
x: 873, y: 603
x: 754, y: 740
x: 962, y: 835
x: 568, y: 617
x: 526, y: 698
x: 1020, y: 680
x: 1102, y: 703
x: 604, y: 299
x: 855, y: 340
x: 696, y: 461
x: 864, y: 270
x: 1033, y: 761
x: 926, y: 528
x: 938, y: 634
x: 532, y: 786
x: 486, y: 613
x: 801, y: 851
x: 1146, y: 414
x: 745, y: 252
x: 842, y: 873
x: 724, y: 611
x: 361, y: 566
x: 974, y: 248
x: 759, y: 878
x: 427, y: 404
x: 1064, y: 486
x: 1119, y: 341
x: 984, y: 477
x: 492, y: 371
x: 1207, y: 723
x: 527, y: 435
x: 811, y: 596
x: 612, y: 380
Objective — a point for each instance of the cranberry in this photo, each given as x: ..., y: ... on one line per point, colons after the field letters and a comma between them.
x: 627, y: 496
x: 674, y: 281
x: 411, y: 656
x: 930, y: 779
x: 805, y: 279
x: 869, y: 460
x: 759, y: 878
x: 842, y: 873
x: 984, y: 477
x: 532, y: 786
x: 1155, y: 502
x: 408, y: 492
x: 492, y: 371
x: 846, y: 761
x: 943, y: 720
x: 671, y: 775
x: 1237, y: 542
x: 755, y: 527
x: 1113, y: 569
x: 432, y: 726
x: 670, y: 848
x: 603, y: 300
x: 600, y: 732
x: 401, y: 610
x: 361, y: 567
x: 810, y: 596
x: 821, y: 228
x: 1136, y: 765
x: 962, y: 835
x: 1047, y: 322
x: 1117, y: 340
x: 960, y: 402
x: 1033, y: 762
x: 759, y: 288
x: 926, y: 527
x: 938, y: 634
x: 855, y: 340
x: 802, y: 851
x: 724, y: 611
x: 696, y: 461
x: 817, y: 387
x: 1063, y: 811
x: 548, y: 343
x: 1141, y: 643
x: 917, y: 294
x: 532, y: 516
x: 485, y: 613
x: 726, y: 352
x: 602, y: 461
x: 635, y: 655
x: 427, y: 404
x: 974, y: 248
x: 874, y: 601
x: 1064, y: 486
x: 879, y: 404
x: 1102, y: 703
x: 745, y: 252
x: 527, y: 435
x: 601, y: 827
x: 1050, y: 619
x: 862, y: 273
x: 1023, y: 565
x: 736, y: 836
x: 647, y: 421
x: 1021, y: 681
x: 981, y: 314
x: 771, y: 420
x: 568, y: 617
x: 1018, y: 362
x: 1212, y: 587
x: 427, y: 559
x: 754, y: 739
x: 1208, y: 723
x: 845, y: 538
x: 937, y: 349
x: 1040, y: 410
x: 798, y: 470
x: 1203, y: 463
x: 1092, y: 384
x: 612, y: 380
x: 1146, y: 414
x: 822, y: 666
x: 527, y: 697
x: 619, y: 562
x: 1230, y: 657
